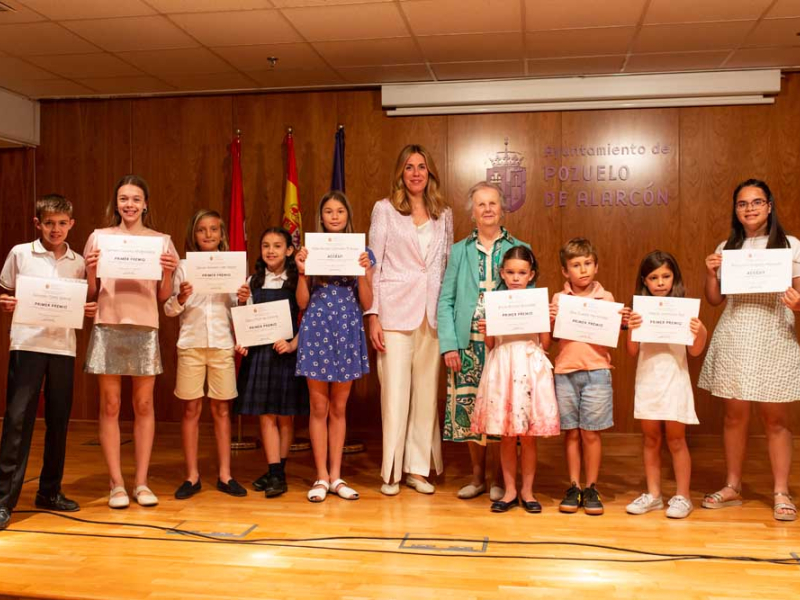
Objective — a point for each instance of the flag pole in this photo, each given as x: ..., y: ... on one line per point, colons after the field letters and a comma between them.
x: 240, y: 442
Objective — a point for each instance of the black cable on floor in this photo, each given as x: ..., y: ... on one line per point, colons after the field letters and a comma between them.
x: 303, y: 543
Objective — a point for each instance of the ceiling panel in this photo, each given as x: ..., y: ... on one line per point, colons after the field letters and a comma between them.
x: 675, y: 61
x: 32, y: 39
x: 362, y: 53
x: 585, y: 65
x: 256, y: 58
x: 238, y: 28
x: 385, y: 74
x: 14, y: 69
x: 785, y: 8
x: 190, y: 61
x: 431, y: 17
x: 75, y: 66
x: 692, y: 36
x: 578, y: 42
x: 479, y: 70
x: 217, y: 81
x: 59, y: 10
x: 50, y: 88
x: 297, y: 78
x: 572, y: 14
x: 775, y: 32
x: 764, y: 57
x: 190, y: 6
x: 307, y: 3
x: 20, y: 14
x: 472, y: 46
x: 687, y: 11
x: 134, y: 33
x: 348, y: 22
x: 128, y: 85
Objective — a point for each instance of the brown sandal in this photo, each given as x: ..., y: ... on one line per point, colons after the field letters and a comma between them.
x: 717, y: 499
x: 778, y: 506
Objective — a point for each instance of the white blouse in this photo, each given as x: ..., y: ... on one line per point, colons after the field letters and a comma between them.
x: 425, y: 237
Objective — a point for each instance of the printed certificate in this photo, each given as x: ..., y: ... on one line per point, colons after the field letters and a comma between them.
x: 588, y: 320
x: 265, y: 323
x: 50, y: 302
x: 756, y: 271
x: 216, y: 272
x: 510, y: 312
x: 334, y: 253
x: 665, y: 320
x: 130, y: 256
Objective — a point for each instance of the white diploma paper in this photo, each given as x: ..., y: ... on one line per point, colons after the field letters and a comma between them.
x: 130, y: 256
x: 665, y: 320
x: 588, y: 320
x: 334, y: 253
x: 265, y: 323
x: 510, y: 312
x: 756, y: 271
x: 216, y: 272
x: 50, y: 302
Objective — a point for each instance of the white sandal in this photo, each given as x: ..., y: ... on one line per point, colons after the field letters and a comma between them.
x: 118, y: 498
x: 144, y: 496
x: 317, y: 494
x: 341, y: 489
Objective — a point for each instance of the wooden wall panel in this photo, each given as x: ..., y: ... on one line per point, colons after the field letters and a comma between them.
x: 181, y: 146
x: 17, y: 185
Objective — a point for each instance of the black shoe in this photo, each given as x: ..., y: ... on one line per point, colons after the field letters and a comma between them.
x: 232, y: 488
x: 5, y: 517
x: 532, y: 506
x: 260, y: 484
x: 591, y: 501
x: 57, y: 502
x: 572, y: 499
x: 500, y: 507
x: 276, y: 486
x: 187, y: 490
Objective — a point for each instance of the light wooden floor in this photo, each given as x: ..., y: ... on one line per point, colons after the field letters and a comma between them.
x: 44, y: 556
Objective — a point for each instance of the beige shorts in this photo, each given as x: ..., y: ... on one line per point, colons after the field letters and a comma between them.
x: 194, y: 363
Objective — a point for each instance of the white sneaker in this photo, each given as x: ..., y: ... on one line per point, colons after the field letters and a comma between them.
x: 679, y: 507
x: 644, y: 504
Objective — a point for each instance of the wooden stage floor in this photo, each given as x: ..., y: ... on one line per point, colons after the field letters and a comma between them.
x: 402, y: 547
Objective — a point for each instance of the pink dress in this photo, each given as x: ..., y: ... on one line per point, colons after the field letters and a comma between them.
x: 516, y: 395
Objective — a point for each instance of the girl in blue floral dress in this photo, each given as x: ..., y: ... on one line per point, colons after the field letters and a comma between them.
x: 332, y: 348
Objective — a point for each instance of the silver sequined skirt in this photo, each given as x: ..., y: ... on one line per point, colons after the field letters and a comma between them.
x: 123, y: 350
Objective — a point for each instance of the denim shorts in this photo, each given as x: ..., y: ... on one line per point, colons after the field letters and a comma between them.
x: 585, y: 399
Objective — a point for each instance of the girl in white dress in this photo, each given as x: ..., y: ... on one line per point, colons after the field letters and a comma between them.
x: 663, y: 393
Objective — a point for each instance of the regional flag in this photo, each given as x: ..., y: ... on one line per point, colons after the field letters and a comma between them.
x: 292, y: 218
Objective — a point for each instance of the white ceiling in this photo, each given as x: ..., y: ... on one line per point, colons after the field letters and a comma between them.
x: 64, y: 48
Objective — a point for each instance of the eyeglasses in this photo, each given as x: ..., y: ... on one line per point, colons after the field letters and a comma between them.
x: 743, y: 205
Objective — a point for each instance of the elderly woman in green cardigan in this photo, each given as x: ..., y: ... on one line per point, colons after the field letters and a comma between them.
x: 473, y: 268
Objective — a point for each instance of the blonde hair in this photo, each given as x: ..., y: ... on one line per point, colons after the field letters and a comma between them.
x: 339, y: 197
x: 191, y: 241
x: 434, y: 199
x: 53, y: 204
x: 112, y: 214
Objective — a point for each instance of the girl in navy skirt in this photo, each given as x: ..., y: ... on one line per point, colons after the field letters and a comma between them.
x: 268, y: 386
x: 332, y: 351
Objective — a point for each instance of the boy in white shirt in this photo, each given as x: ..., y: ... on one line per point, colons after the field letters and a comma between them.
x: 39, y: 354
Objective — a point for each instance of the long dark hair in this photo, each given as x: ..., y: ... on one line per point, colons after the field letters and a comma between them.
x: 655, y: 260
x: 257, y: 280
x: 521, y: 253
x: 777, y: 236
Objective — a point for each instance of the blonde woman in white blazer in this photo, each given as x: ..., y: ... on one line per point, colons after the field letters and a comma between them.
x: 410, y: 233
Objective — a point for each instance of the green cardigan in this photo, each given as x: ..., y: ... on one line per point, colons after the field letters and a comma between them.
x: 460, y: 291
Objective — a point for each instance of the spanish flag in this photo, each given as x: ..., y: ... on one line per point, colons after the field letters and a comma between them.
x: 292, y: 218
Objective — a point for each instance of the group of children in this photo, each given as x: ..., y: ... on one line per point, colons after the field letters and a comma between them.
x: 521, y: 394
